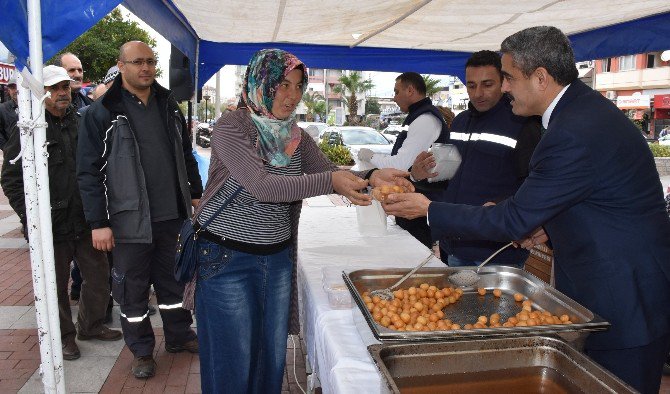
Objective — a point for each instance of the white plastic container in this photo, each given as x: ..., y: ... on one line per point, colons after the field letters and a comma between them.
x: 447, y: 161
x: 371, y: 219
x: 338, y: 294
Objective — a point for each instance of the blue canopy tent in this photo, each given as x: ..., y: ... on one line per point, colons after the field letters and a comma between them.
x: 609, y: 29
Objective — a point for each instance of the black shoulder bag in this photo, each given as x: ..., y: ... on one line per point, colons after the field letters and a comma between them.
x: 186, y: 258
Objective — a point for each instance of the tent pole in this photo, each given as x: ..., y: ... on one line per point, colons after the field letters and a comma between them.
x: 217, y: 99
x: 44, y: 203
x: 32, y: 216
x: 195, y: 94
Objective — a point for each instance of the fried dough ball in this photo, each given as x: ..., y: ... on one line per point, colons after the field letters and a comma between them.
x: 381, y: 192
x: 481, y: 291
x: 518, y: 297
x: 497, y: 292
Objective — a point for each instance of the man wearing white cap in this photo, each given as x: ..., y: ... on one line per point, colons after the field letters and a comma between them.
x: 71, y: 233
x: 9, y: 112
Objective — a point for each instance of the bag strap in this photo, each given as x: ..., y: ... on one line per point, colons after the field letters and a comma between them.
x: 220, y: 209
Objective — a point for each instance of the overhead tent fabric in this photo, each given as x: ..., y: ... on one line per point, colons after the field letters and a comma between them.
x: 425, y: 36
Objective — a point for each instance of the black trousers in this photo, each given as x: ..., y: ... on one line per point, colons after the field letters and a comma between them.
x: 94, y: 288
x: 136, y: 267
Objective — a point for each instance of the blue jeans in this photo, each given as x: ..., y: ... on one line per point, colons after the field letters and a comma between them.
x: 242, y: 310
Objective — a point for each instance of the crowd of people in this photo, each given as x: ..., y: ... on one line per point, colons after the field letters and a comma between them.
x: 544, y: 159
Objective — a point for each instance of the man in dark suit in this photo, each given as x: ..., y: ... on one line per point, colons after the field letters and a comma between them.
x: 593, y: 187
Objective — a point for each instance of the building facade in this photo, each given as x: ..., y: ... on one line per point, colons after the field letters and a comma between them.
x: 639, y: 85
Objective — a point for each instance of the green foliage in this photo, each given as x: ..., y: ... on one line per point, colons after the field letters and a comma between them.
x: 320, y: 109
x: 338, y: 154
x: 372, y: 106
x: 98, y: 48
x: 311, y: 101
x: 660, y: 150
x: 432, y: 85
x: 353, y: 84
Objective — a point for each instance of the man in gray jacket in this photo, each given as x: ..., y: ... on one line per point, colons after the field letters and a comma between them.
x: 138, y: 179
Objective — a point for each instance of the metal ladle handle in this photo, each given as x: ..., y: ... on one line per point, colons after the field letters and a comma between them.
x: 494, y: 255
x: 410, y: 273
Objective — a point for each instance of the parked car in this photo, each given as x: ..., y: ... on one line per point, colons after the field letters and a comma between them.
x: 392, y: 131
x: 355, y: 138
x: 665, y: 140
x: 314, y: 129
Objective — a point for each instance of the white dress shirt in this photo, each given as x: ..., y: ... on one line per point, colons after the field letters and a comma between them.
x: 422, y: 132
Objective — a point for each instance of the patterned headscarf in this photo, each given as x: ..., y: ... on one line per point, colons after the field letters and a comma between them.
x: 277, y: 138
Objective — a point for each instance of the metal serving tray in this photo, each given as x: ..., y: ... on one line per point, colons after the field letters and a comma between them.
x: 511, y: 365
x: 471, y: 305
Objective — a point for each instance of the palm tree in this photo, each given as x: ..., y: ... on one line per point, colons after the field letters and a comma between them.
x: 432, y: 85
x: 352, y: 84
x: 320, y: 109
x: 311, y: 100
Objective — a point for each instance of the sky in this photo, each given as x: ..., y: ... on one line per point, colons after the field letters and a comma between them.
x: 383, y: 81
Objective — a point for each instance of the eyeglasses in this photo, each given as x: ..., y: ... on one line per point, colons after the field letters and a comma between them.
x: 141, y: 62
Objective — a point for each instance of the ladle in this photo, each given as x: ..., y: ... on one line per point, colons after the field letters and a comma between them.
x: 467, y: 278
x: 387, y: 293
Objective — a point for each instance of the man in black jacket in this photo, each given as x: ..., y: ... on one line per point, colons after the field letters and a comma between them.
x: 139, y: 180
x: 9, y: 112
x: 71, y: 234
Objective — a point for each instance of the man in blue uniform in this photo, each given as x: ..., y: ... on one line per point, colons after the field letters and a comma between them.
x: 593, y: 187
x: 495, y: 147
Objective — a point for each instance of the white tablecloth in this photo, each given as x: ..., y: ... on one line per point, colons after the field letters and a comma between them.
x: 329, y: 237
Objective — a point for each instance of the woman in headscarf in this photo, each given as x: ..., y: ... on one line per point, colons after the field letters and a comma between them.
x: 262, y: 166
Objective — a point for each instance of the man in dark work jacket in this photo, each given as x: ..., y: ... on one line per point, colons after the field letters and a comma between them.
x: 138, y: 180
x: 425, y: 125
x: 495, y: 147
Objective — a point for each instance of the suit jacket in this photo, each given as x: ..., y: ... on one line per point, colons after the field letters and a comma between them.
x: 594, y: 187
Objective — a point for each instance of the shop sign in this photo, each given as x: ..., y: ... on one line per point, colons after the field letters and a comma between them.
x: 662, y: 101
x: 6, y: 71
x: 633, y: 102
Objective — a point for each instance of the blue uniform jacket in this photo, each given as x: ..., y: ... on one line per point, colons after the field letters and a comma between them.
x: 594, y: 187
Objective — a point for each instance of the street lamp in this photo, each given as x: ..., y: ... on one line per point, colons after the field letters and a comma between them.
x: 206, y: 98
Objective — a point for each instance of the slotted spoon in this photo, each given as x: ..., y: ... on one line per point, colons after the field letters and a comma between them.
x: 467, y: 278
x: 387, y: 293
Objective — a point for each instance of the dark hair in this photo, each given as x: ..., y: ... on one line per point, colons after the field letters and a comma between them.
x: 413, y: 79
x: 542, y: 46
x: 485, y: 58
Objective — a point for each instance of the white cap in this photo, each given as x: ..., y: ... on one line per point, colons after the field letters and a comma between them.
x: 54, y: 74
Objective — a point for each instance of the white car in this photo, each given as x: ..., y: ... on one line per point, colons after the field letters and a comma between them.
x: 392, y: 131
x: 314, y: 129
x: 665, y: 140
x: 355, y: 138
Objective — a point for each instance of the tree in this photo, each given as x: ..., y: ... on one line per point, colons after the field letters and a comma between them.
x: 372, y: 106
x: 432, y: 85
x: 311, y: 100
x: 98, y: 48
x: 320, y: 109
x: 353, y: 84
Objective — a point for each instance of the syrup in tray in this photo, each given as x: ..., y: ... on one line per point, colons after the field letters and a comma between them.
x: 517, y: 380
